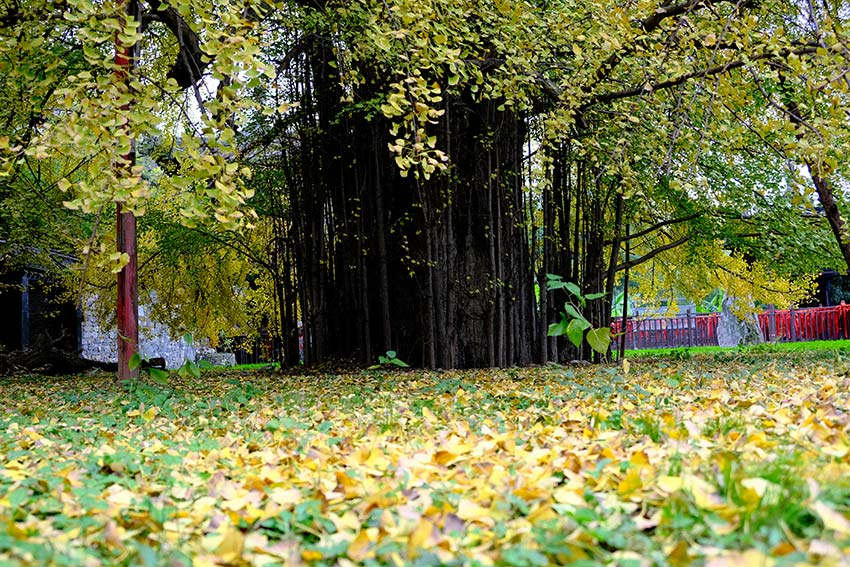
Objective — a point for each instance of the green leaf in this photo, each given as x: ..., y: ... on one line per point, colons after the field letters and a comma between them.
x: 557, y: 329
x: 599, y: 339
x: 135, y: 361
x: 158, y: 375
x: 575, y: 331
x: 573, y: 312
x: 592, y: 296
x: 391, y: 354
x: 523, y: 557
x: 187, y: 338
x: 573, y: 288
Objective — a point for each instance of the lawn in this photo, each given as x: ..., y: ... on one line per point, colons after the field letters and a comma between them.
x: 803, y: 346
x: 677, y: 462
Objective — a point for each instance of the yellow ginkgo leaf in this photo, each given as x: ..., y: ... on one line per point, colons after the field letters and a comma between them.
x: 669, y: 483
x: 473, y: 512
x: 831, y: 519
x: 358, y: 549
x: 630, y: 483
x: 230, y: 548
x: 150, y: 414
x: 419, y: 537
x: 286, y: 497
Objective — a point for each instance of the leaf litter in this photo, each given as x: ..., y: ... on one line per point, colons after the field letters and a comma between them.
x: 742, y: 462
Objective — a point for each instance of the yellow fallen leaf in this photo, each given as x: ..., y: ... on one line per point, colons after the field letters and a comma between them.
x: 150, y: 413
x: 230, y: 548
x: 286, y: 497
x: 444, y: 457
x: 704, y: 494
x: 569, y: 496
x: 753, y: 490
x: 429, y: 415
x: 639, y: 458
x: 118, y: 496
x: 749, y: 558
x: 832, y: 520
x: 630, y: 482
x: 311, y: 555
x: 836, y: 450
x: 473, y: 512
x: 419, y: 537
x: 669, y: 483
x: 358, y: 549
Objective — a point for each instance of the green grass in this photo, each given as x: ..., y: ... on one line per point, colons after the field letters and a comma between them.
x: 256, y: 366
x: 809, y: 346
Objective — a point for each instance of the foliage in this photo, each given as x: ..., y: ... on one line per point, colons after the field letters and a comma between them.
x: 573, y: 323
x: 617, y: 304
x: 689, y: 124
x: 739, y: 463
x: 92, y: 111
x: 390, y: 359
x: 697, y: 272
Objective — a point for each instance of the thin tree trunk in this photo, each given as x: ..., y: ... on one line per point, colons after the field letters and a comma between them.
x: 624, y: 325
x: 127, y: 308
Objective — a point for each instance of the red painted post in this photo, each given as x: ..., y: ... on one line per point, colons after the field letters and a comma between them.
x: 792, y: 327
x: 127, y: 308
x: 771, y: 323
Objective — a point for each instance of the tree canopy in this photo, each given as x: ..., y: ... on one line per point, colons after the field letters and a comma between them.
x: 403, y: 175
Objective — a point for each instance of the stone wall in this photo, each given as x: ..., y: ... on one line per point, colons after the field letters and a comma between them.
x: 154, y: 340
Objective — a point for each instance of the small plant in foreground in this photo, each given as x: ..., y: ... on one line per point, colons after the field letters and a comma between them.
x: 389, y: 359
x: 573, y: 323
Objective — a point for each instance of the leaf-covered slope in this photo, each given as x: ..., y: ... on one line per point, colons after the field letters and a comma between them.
x: 685, y: 463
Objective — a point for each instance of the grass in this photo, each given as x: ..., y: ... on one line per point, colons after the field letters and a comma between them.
x: 257, y: 366
x: 720, y: 461
x: 767, y: 348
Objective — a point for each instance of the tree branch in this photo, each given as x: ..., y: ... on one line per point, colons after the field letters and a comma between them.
x: 650, y: 255
x: 657, y: 226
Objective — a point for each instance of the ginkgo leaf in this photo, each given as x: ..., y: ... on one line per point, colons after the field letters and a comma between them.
x: 831, y: 519
x: 230, y: 548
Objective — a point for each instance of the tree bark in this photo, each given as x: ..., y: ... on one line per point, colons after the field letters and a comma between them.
x: 127, y: 308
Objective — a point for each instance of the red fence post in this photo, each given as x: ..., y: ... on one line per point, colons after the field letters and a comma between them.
x: 771, y: 323
x: 792, y: 330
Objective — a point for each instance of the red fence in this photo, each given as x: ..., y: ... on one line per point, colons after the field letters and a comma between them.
x: 664, y: 332
x: 810, y: 324
x: 790, y: 325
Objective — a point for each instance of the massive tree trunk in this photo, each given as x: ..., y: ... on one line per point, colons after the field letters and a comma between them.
x: 416, y: 266
x: 442, y: 271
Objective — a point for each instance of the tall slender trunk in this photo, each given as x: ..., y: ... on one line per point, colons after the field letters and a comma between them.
x: 127, y: 308
x: 833, y: 214
x: 623, y: 326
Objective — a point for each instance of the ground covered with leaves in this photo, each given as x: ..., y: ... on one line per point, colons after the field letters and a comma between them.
x: 717, y: 461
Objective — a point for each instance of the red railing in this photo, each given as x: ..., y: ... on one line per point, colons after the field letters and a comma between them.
x: 808, y: 324
x: 789, y: 325
x: 664, y: 332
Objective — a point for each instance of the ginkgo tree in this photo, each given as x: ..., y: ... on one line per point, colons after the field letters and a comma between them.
x: 119, y: 71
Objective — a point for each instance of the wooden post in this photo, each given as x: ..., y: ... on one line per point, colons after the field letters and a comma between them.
x: 771, y: 323
x: 690, y: 329
x: 127, y: 308
x: 792, y: 326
